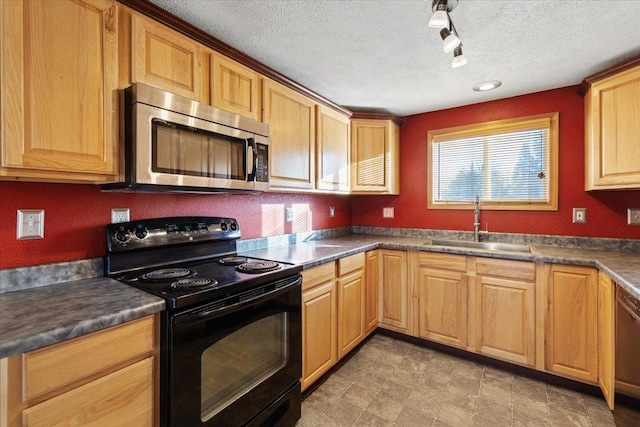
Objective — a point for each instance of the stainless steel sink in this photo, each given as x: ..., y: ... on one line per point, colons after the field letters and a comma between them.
x: 491, y: 246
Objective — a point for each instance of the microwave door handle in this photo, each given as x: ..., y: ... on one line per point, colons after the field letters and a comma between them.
x: 252, y: 158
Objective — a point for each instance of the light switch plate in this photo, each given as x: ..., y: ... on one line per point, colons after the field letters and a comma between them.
x: 579, y: 215
x: 332, y: 211
x: 388, y: 213
x: 289, y: 214
x: 30, y: 224
x: 633, y: 216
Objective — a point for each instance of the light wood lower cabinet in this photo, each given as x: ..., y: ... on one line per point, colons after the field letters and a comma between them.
x: 372, y: 282
x: 504, y: 309
x: 394, y: 293
x: 571, y: 323
x: 627, y: 353
x: 319, y: 322
x: 351, y: 303
x: 442, y: 298
x: 606, y: 337
x: 107, y: 377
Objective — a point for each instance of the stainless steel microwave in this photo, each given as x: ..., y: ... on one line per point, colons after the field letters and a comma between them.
x: 173, y: 143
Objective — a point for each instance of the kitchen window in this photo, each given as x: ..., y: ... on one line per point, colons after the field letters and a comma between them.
x: 510, y: 164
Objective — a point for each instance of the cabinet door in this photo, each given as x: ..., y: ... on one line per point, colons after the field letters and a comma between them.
x: 505, y: 319
x: 442, y: 306
x: 291, y: 117
x: 374, y: 156
x: 612, y: 129
x: 319, y: 332
x: 572, y: 323
x: 59, y: 89
x: 122, y: 398
x: 234, y: 87
x: 372, y: 281
x: 332, y: 150
x: 163, y: 58
x: 393, y: 295
x: 606, y: 337
x: 350, y: 312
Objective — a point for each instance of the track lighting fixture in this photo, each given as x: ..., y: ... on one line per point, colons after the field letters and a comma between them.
x: 440, y: 18
x: 450, y: 40
x: 458, y: 58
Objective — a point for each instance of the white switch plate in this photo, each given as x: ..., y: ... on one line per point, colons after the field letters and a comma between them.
x: 289, y: 214
x: 579, y: 215
x: 388, y: 213
x: 30, y: 224
x: 332, y: 211
x: 633, y: 216
x: 119, y: 215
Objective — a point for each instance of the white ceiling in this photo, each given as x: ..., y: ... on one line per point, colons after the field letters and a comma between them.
x: 379, y: 55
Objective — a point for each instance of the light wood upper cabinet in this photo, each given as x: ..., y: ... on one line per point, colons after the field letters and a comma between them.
x: 571, y: 344
x: 332, y: 150
x: 372, y: 282
x: 234, y: 87
x: 291, y: 117
x: 504, y: 309
x: 612, y: 107
x: 319, y: 322
x: 374, y: 157
x: 166, y: 59
x: 442, y: 298
x: 606, y: 337
x: 108, y: 377
x: 59, y: 90
x: 394, y: 291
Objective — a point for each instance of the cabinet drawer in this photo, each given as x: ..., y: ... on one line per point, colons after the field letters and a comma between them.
x: 350, y: 263
x: 444, y: 261
x: 122, y: 398
x: 318, y: 275
x: 57, y: 365
x: 506, y: 268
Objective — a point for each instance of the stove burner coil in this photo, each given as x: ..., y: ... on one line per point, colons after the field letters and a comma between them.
x: 233, y: 260
x: 167, y: 274
x: 256, y: 267
x: 193, y: 283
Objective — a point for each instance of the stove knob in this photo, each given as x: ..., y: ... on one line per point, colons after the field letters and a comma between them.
x: 122, y: 236
x: 141, y: 233
x: 224, y: 226
x: 234, y: 226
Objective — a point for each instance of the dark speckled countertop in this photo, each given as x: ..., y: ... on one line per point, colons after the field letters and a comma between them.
x: 34, y: 318
x: 621, y: 266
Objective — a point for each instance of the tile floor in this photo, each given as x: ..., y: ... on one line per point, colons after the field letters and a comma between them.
x: 394, y: 383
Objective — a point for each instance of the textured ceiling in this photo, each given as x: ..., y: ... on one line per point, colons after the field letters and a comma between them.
x: 382, y: 56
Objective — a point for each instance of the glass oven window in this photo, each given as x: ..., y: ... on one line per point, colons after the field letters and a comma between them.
x: 181, y: 150
x: 237, y: 363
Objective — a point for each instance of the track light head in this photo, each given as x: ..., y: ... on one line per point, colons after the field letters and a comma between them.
x: 458, y: 58
x: 449, y: 41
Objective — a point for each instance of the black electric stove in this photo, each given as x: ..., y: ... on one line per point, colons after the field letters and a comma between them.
x: 231, y: 337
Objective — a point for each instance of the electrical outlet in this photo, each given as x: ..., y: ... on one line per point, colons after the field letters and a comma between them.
x: 30, y: 224
x: 579, y: 215
x: 332, y: 211
x: 388, y: 213
x: 119, y: 215
x: 633, y: 216
x: 289, y: 214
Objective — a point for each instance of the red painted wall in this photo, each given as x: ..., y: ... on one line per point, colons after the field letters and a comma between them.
x: 606, y: 210
x: 76, y: 214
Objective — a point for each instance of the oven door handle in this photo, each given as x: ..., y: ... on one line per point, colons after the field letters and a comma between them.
x: 216, y: 310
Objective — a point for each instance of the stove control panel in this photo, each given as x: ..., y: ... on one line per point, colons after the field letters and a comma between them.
x: 159, y: 232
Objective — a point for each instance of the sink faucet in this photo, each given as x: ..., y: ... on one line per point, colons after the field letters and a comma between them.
x: 476, y: 220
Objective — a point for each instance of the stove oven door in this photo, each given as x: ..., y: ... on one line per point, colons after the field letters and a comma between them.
x: 238, y: 362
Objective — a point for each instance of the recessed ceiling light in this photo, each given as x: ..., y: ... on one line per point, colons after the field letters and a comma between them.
x: 485, y: 86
